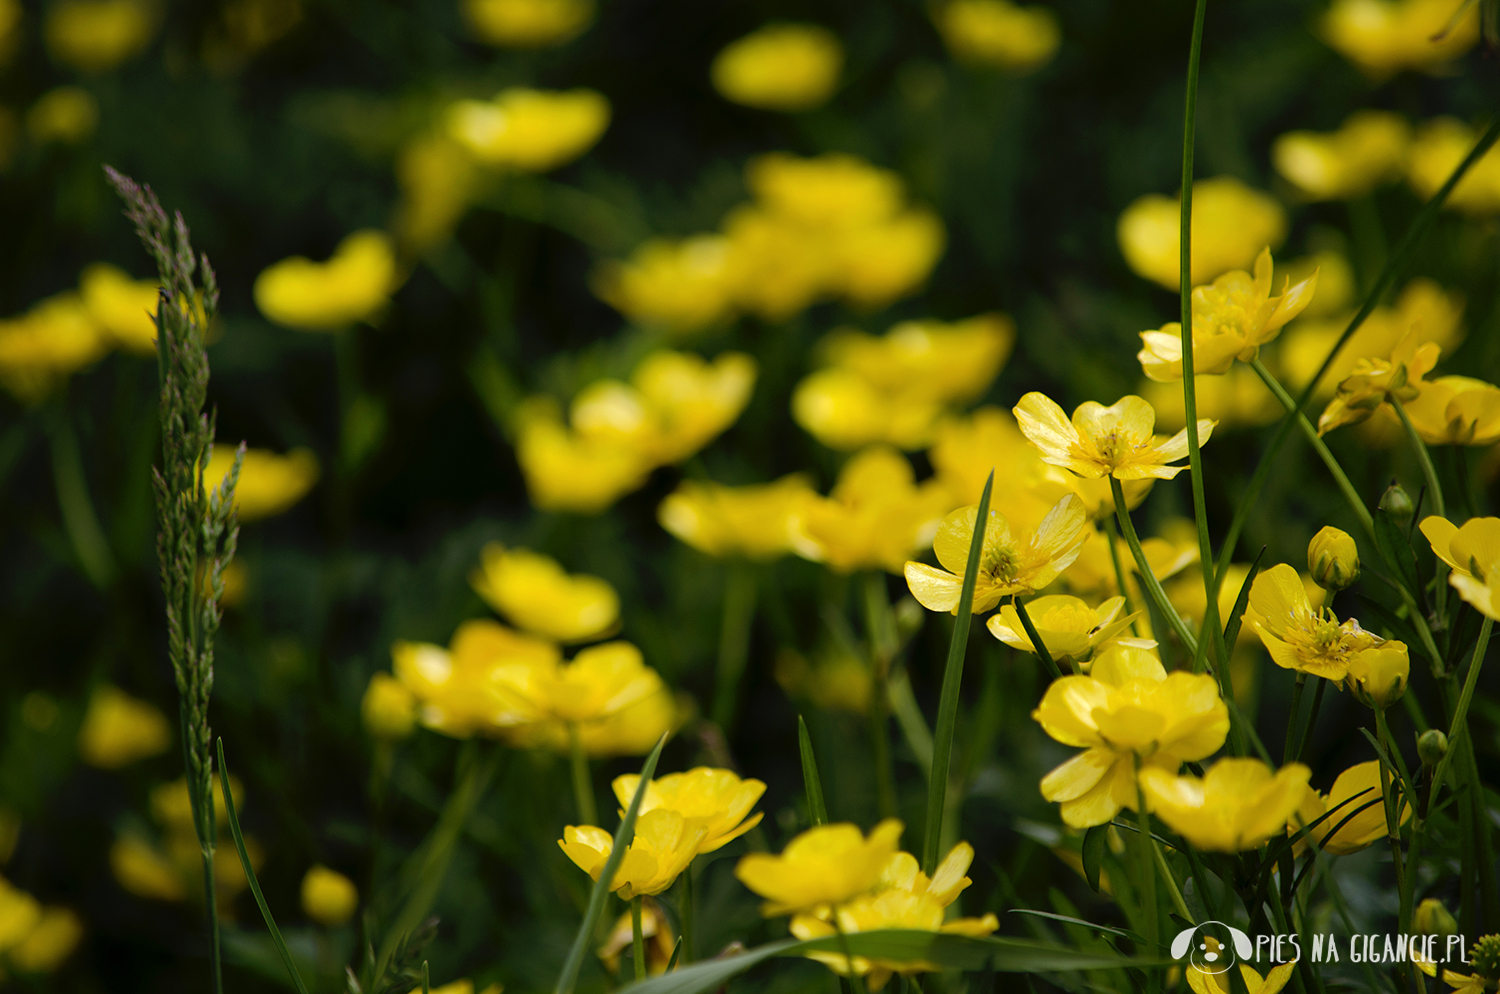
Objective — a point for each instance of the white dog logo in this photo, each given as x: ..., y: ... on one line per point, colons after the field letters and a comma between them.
x: 1209, y: 953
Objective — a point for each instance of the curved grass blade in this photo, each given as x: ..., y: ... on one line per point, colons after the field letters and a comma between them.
x: 816, y: 809
x: 1242, y: 602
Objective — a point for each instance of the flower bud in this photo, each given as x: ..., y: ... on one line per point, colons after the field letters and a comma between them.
x: 1333, y: 559
x: 328, y: 896
x: 1432, y: 918
x: 1377, y: 677
x: 1397, y: 503
x: 1432, y: 746
x: 389, y: 709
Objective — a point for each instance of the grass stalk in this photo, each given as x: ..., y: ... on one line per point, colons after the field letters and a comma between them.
x: 637, y: 939
x: 1434, y: 493
x: 734, y: 642
x: 1150, y: 919
x: 817, y: 811
x: 583, y: 783
x: 1037, y: 643
x: 1148, y: 578
x: 685, y: 917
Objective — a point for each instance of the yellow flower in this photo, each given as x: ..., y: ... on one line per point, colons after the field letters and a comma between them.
x: 328, y: 897
x: 172, y: 808
x: 142, y: 870
x: 68, y: 115
x: 123, y: 307
x: 528, y: 23
x: 1378, y: 678
x: 1237, y: 398
x: 790, y: 67
x: 1440, y: 146
x: 1127, y: 712
x: 1068, y: 626
x: 632, y: 731
x: 1456, y: 410
x: 1432, y: 917
x: 825, y: 866
x: 1369, y: 149
x: 778, y: 264
x: 875, y: 516
x: 1299, y: 638
x: 389, y: 708
x: 534, y: 593
x: 834, y: 680
x: 655, y: 929
x: 566, y: 471
x: 759, y: 521
x: 1231, y: 223
x: 530, y: 130
x: 1333, y: 558
x: 97, y: 35
x: 876, y: 264
x: 601, y: 681
x: 1380, y: 381
x: 1352, y: 795
x: 1382, y: 37
x: 999, y: 34
x: 1104, y: 441
x: 118, y: 730
x: 437, y: 177
x: 1239, y: 804
x: 717, y: 800
x: 455, y: 688
x: 464, y: 986
x: 1218, y: 983
x: 354, y: 285
x: 1232, y: 318
x: 1007, y: 565
x: 269, y: 484
x: 1473, y: 552
x: 19, y: 914
x: 679, y: 286
x: 692, y: 401
x: 664, y: 844
x: 43, y: 347
x: 1093, y: 572
x: 51, y: 941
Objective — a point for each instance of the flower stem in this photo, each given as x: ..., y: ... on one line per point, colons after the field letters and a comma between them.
x: 880, y: 631
x: 637, y: 940
x: 1148, y: 578
x: 734, y: 642
x: 1434, y: 492
x: 1148, y: 877
x: 1392, y: 822
x: 685, y: 917
x: 1288, y: 752
x: 1312, y: 718
x: 1110, y: 535
x: 1173, y: 891
x: 1037, y: 643
x: 583, y: 786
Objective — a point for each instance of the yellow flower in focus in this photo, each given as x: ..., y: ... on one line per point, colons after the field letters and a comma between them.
x: 1239, y: 804
x: 1333, y: 558
x: 19, y: 914
x: 665, y: 843
x: 997, y: 33
x: 660, y: 943
x: 717, y: 800
x: 43, y: 347
x: 437, y: 177
x: 1273, y: 982
x: 825, y: 866
x: 530, y: 130
x: 53, y: 939
x: 758, y: 521
x: 123, y: 307
x: 875, y: 516
x: 566, y: 471
x: 528, y: 23
x: 1237, y: 398
x: 269, y: 484
x: 679, y: 286
x: 1368, y: 150
x: 1104, y: 441
x: 328, y: 897
x: 1231, y: 224
x: 1232, y: 318
x: 534, y: 593
x: 1007, y: 565
x: 1358, y: 811
x: 1128, y: 712
x: 1473, y: 552
x: 1456, y: 410
x: 118, y: 730
x: 1382, y: 37
x: 791, y: 67
x: 1068, y: 626
x: 354, y: 285
x: 1378, y: 678
x: 97, y: 35
x: 1299, y: 638
x: 1440, y: 146
x: 67, y: 115
x: 389, y: 708
x: 1380, y: 381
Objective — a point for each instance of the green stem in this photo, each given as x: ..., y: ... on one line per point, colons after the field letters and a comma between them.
x: 583, y: 783
x: 1435, y: 493
x: 734, y: 642
x: 1173, y: 892
x: 1312, y: 718
x: 211, y: 903
x: 1288, y: 752
x: 910, y: 719
x: 1149, y: 915
x: 1110, y: 535
x: 1036, y: 641
x: 856, y: 982
x: 685, y: 916
x: 1148, y: 578
x: 1392, y: 821
x: 637, y: 940
x: 880, y: 629
x: 79, y: 519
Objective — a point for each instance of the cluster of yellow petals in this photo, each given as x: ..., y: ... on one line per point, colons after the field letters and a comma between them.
x: 532, y: 131
x: 1383, y: 37
x: 1238, y: 804
x: 527, y: 23
x: 95, y: 36
x: 787, y: 67
x: 1456, y: 410
x: 171, y: 869
x: 756, y: 521
x: 1369, y: 149
x: 1443, y: 143
x: 355, y: 284
x: 118, y: 730
x: 1231, y: 223
x: 1374, y: 382
x: 824, y: 867
x: 1315, y: 642
x: 1354, y: 808
x: 1104, y: 441
x: 1275, y: 980
x: 875, y: 516
x: 1472, y: 551
x: 717, y: 800
x: 35, y: 938
x: 269, y: 484
x: 1068, y: 626
x: 535, y: 594
x: 999, y: 34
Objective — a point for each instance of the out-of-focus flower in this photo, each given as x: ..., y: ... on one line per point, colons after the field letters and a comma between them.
x: 354, y: 285
x: 1128, y: 713
x: 1473, y: 552
x: 664, y: 844
x: 1232, y: 318
x: 244, y: 28
x: 464, y: 986
x: 1333, y: 558
x: 1239, y: 804
x: 1432, y: 917
x: 997, y: 33
x: 530, y: 130
x: 1231, y: 224
x: 1299, y: 638
x: 1104, y: 441
x: 566, y: 471
x: 789, y: 67
x: 875, y: 516
x: 437, y: 176
x: 1374, y: 382
x: 692, y: 400
x: 455, y: 688
x: 600, y: 682
x: 1367, y: 150
x: 269, y: 484
x: 660, y: 943
x: 124, y: 307
x: 679, y: 286
x: 533, y: 592
x: 833, y: 680
x: 328, y: 897
x: 51, y: 940
x: 1456, y: 410
x: 1440, y: 146
x: 67, y: 115
x: 142, y: 870
x: 1093, y: 574
x: 173, y: 869
x: 717, y: 800
x: 759, y: 521
x: 118, y: 730
x: 389, y: 708
x: 1355, y: 802
x: 825, y: 866
x: 1008, y: 564
x: 97, y: 35
x: 43, y: 347
x: 1068, y: 626
x: 1235, y: 399
x: 528, y: 23
x: 1382, y: 37
x: 19, y: 914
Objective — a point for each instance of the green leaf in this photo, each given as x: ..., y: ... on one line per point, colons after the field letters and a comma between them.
x: 1237, y: 614
x: 1397, y: 552
x: 1093, y: 854
x: 816, y: 810
x: 1124, y: 933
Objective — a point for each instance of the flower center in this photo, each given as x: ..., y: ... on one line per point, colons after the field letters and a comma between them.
x: 1486, y: 959
x: 1002, y: 564
x: 1326, y: 634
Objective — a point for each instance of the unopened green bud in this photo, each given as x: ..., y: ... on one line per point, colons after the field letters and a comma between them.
x: 1397, y: 503
x: 1333, y: 559
x: 1432, y: 918
x: 1432, y: 746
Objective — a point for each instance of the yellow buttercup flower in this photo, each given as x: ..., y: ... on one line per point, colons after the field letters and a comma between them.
x: 98, y: 35
x: 1232, y: 318
x: 455, y: 688
x: 825, y: 866
x: 51, y: 941
x: 998, y: 33
x: 1127, y: 713
x: 790, y: 67
x: 1456, y: 410
x: 1068, y: 626
x: 19, y: 914
x: 1093, y: 573
x: 389, y: 708
x: 354, y: 285
x: 1239, y: 804
x: 530, y: 130
x: 1231, y: 223
x: 566, y: 471
x: 1473, y: 552
x: 1374, y: 382
x: 632, y: 731
x: 717, y: 800
x: 528, y: 23
x: 833, y: 680
x: 1007, y: 564
x: 664, y: 844
x: 759, y: 521
x: 144, y: 871
x: 655, y: 929
x: 1104, y: 441
x: 1369, y: 149
x: 269, y: 483
x: 679, y: 286
x: 1440, y: 146
x: 123, y: 307
x: 600, y: 682
x: 1273, y: 982
x: 876, y: 264
x: 1382, y: 37
x: 438, y: 177
x: 43, y: 347
x: 328, y: 897
x: 1237, y: 398
x: 1359, y: 821
x: 875, y: 516
x: 1299, y: 638
x: 693, y: 400
x: 1378, y: 678
x: 119, y: 729
x: 67, y: 115
x: 536, y: 594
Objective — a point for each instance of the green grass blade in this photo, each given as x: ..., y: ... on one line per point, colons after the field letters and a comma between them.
x: 816, y: 809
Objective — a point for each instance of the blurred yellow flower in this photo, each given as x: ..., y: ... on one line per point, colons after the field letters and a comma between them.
x: 678, y: 286
x: 875, y: 516
x: 354, y: 285
x: 1068, y: 626
x: 118, y: 730
x: 389, y: 708
x: 664, y: 844
x: 437, y: 176
x: 1367, y: 150
x: 67, y: 115
x: 828, y: 190
x: 143, y: 870
x: 1440, y: 146
x: 97, y: 35
x: 881, y: 262
x: 1374, y: 382
x: 123, y: 307
x: 833, y: 680
x: 825, y: 866
x: 1007, y: 563
x: 328, y: 897
x: 464, y: 986
x: 789, y: 67
x: 534, y: 593
x: 1335, y: 281
x: 528, y: 23
x: 51, y: 941
x: 456, y: 689
x: 1104, y: 441
x: 43, y: 347
x: 530, y: 130
x: 172, y: 808
x: 1382, y: 37
x: 759, y: 521
x: 717, y: 800
x: 1237, y: 398
x: 692, y: 400
x: 1128, y: 713
x: 1239, y: 804
x: 1456, y: 410
x: 655, y: 929
x: 1300, y: 638
x: 1093, y: 574
x: 1186, y: 594
x: 1473, y: 551
x: 269, y: 484
x: 1231, y: 224
x: 19, y: 914
x: 566, y: 471
x: 632, y: 731
x: 1232, y: 318
x: 1219, y: 983
x: 998, y: 33
x: 1355, y: 796
x: 966, y: 448
x: 599, y: 682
